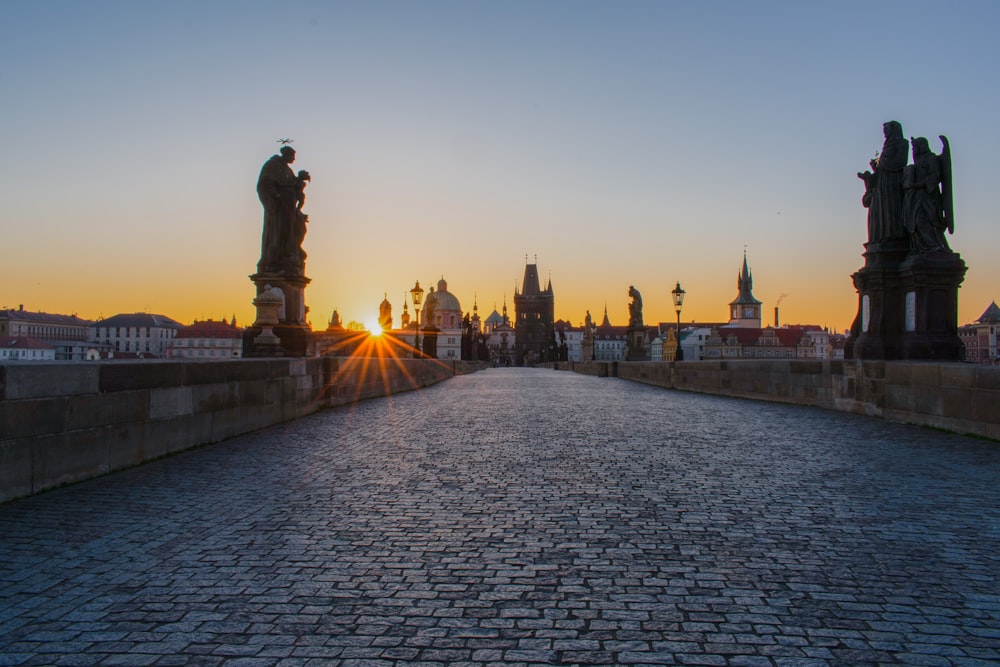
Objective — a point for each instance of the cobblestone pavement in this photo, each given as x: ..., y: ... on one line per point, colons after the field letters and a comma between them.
x: 522, y: 516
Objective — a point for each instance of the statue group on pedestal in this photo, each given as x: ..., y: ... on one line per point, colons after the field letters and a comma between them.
x: 282, y: 194
x: 908, y: 287
x: 908, y: 203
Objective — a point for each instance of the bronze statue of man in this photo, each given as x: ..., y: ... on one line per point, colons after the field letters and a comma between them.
x: 277, y: 190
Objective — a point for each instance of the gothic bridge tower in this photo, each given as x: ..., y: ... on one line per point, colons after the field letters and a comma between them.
x: 534, y: 312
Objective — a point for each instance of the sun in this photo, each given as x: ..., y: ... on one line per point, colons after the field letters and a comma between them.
x: 374, y: 328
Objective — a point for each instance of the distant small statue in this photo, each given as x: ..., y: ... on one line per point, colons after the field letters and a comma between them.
x: 430, y: 303
x: 927, y: 199
x: 635, y: 307
x: 588, y: 323
x: 884, y: 186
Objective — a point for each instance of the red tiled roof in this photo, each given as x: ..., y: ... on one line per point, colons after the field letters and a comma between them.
x: 791, y: 336
x: 23, y: 343
x: 210, y: 329
x: 991, y: 314
x: 787, y: 337
x: 41, y: 318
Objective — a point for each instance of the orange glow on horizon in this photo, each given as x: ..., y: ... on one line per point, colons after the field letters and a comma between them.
x: 366, y: 360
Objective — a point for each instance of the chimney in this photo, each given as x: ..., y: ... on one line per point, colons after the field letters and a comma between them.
x: 20, y: 307
x: 777, y: 322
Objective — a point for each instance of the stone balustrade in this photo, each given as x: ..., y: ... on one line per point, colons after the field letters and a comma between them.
x: 62, y: 422
x: 957, y: 397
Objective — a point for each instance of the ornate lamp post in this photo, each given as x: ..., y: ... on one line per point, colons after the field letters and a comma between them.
x: 417, y: 294
x: 678, y: 295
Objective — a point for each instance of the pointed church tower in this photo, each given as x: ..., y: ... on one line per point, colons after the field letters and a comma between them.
x: 534, y: 311
x: 404, y: 319
x: 477, y: 324
x: 744, y: 311
x: 385, y: 313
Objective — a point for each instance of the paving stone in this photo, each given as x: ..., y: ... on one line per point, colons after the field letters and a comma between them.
x: 522, y: 516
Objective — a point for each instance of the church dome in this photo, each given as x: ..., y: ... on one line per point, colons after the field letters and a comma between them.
x: 446, y: 301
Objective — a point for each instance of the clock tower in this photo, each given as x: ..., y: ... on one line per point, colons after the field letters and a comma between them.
x: 744, y: 311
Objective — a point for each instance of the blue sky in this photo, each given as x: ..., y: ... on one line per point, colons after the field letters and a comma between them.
x: 621, y: 142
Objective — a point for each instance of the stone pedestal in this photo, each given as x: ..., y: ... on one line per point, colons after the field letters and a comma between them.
x: 636, y: 341
x: 907, y: 305
x: 929, y: 283
x: 879, y: 322
x: 291, y: 330
x: 429, y: 341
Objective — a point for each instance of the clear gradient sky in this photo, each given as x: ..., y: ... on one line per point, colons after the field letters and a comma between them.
x: 627, y: 142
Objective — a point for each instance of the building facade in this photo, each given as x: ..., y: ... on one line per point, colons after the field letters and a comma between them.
x: 142, y: 335
x: 23, y: 348
x: 610, y: 341
x: 572, y: 338
x: 792, y: 342
x: 443, y: 319
x: 207, y: 341
x: 68, y: 335
x: 441, y: 323
x: 980, y: 337
x: 499, y: 337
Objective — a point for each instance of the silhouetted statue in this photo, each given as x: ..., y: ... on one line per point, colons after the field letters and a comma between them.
x: 298, y: 234
x: 927, y: 204
x: 282, y: 194
x: 884, y: 186
x: 635, y: 308
x: 430, y: 303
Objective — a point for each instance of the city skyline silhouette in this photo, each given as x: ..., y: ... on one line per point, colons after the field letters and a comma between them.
x: 613, y: 144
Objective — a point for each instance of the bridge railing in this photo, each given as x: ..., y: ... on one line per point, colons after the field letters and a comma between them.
x: 957, y: 397
x: 62, y: 422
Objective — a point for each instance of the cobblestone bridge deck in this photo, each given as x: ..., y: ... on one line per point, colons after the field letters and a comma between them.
x: 522, y: 516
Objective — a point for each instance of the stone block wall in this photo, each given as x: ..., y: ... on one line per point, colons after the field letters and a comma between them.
x: 63, y: 422
x: 963, y: 398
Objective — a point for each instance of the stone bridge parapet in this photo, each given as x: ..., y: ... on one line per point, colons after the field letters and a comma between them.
x: 957, y: 397
x: 64, y: 422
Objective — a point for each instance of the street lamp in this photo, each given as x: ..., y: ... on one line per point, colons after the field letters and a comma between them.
x: 417, y: 294
x: 678, y: 295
